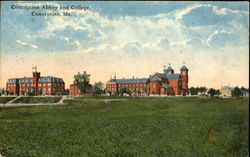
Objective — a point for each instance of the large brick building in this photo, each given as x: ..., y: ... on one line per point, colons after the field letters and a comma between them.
x: 36, y: 85
x: 166, y: 83
x: 135, y: 85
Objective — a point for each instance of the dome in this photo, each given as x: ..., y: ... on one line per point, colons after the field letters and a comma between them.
x: 184, y: 68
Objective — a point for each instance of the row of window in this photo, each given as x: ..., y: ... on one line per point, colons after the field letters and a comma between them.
x: 31, y: 85
x: 126, y: 85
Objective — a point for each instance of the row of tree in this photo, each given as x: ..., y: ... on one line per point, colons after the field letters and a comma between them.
x: 237, y: 92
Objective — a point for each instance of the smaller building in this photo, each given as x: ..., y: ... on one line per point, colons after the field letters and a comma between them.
x: 226, y: 91
x: 75, y: 91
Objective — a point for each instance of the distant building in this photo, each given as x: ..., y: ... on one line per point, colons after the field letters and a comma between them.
x: 245, y: 93
x: 166, y: 83
x: 226, y: 91
x: 135, y: 85
x: 75, y: 91
x: 36, y: 85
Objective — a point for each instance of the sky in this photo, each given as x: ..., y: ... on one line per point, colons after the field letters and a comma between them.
x: 128, y: 38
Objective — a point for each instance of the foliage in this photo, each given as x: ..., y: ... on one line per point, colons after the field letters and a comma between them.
x: 193, y: 91
x: 146, y: 89
x: 30, y: 100
x: 66, y: 91
x: 236, y: 92
x: 98, y: 88
x: 136, y: 127
x: 211, y: 92
x: 82, y: 80
x: 4, y: 100
x: 7, y: 91
x: 40, y: 91
x: 244, y: 89
x: 124, y: 90
x: 196, y: 90
x: 32, y: 92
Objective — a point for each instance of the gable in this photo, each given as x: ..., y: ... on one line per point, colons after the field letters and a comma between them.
x: 155, y: 78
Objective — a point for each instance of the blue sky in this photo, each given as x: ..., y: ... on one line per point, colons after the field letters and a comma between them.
x: 131, y: 30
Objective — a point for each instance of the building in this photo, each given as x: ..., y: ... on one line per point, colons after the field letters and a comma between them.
x: 135, y: 85
x: 166, y: 83
x: 75, y: 91
x: 226, y: 91
x: 36, y: 85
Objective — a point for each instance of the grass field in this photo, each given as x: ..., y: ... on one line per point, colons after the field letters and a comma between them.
x: 31, y: 100
x: 145, y: 127
x: 4, y: 100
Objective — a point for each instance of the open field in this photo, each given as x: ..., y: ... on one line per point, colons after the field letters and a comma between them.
x: 4, y: 100
x: 144, y: 127
x: 33, y: 100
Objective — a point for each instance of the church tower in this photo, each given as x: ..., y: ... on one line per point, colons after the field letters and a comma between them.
x: 169, y: 70
x: 184, y: 78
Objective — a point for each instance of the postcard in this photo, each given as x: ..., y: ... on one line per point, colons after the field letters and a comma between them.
x: 124, y: 78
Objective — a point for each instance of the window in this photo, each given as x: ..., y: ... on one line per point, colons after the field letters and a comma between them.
x: 39, y: 85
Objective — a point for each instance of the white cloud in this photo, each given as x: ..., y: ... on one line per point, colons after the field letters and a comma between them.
x: 26, y: 44
x: 214, y: 34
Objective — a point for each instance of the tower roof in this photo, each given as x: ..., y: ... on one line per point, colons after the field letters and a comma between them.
x: 184, y: 68
x: 169, y: 68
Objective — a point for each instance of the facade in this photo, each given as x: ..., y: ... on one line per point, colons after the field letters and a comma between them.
x: 226, y: 91
x: 75, y: 91
x: 135, y: 85
x: 36, y: 85
x: 166, y: 83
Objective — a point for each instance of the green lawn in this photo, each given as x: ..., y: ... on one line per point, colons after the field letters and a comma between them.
x: 31, y: 100
x: 143, y: 127
x: 4, y: 100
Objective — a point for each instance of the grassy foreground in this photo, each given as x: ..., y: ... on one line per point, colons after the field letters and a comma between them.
x: 143, y: 127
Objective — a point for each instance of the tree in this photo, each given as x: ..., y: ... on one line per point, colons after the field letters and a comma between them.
x: 135, y: 91
x: 7, y: 91
x: 244, y: 89
x: 125, y: 90
x: 2, y: 91
x: 236, y: 92
x: 193, y: 91
x: 146, y: 88
x: 30, y: 93
x: 66, y: 91
x: 98, y: 88
x: 40, y: 91
x: 82, y: 80
x: 202, y: 89
x: 217, y: 92
x: 211, y: 92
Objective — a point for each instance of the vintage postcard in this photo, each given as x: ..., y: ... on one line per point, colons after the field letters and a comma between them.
x: 124, y: 78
